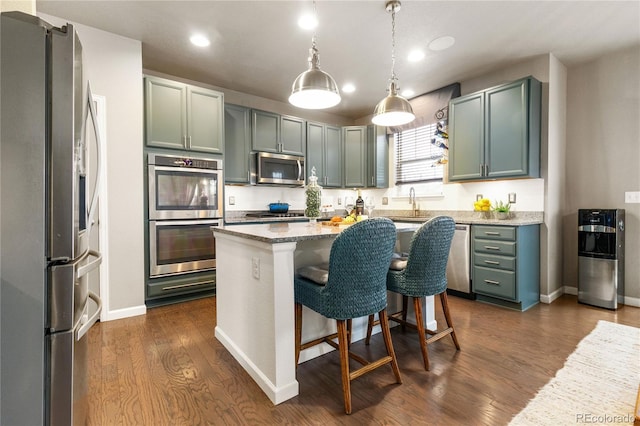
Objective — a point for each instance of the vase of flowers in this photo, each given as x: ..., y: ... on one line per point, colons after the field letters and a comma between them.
x: 502, y: 210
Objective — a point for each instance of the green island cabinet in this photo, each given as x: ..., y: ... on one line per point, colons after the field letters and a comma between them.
x: 182, y: 116
x: 506, y: 265
x: 324, y: 152
x: 271, y: 132
x: 495, y: 133
x: 237, y: 143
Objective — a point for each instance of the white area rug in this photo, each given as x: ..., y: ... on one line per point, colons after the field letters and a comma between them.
x: 597, y: 385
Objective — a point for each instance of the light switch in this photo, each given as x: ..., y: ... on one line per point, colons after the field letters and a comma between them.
x: 632, y: 197
x: 512, y: 198
x: 232, y: 200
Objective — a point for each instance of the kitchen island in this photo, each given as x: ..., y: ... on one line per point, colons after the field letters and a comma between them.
x: 255, y: 297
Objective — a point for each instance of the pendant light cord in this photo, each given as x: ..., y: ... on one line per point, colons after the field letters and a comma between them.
x: 313, y: 39
x: 393, y: 43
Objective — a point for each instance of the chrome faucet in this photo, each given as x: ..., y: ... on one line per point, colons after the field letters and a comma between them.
x: 412, y: 201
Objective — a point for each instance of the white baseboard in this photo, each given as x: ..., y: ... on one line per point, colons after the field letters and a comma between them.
x: 548, y: 298
x: 632, y: 301
x: 571, y: 290
x: 123, y: 313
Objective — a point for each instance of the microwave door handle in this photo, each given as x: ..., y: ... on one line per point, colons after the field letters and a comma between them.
x: 299, y: 170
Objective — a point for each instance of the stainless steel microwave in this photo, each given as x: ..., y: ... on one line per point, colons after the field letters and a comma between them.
x: 277, y: 169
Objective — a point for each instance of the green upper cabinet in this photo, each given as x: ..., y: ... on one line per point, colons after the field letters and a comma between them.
x: 182, y: 116
x: 377, y: 157
x: 495, y: 134
x: 355, y: 157
x: 237, y: 143
x: 324, y: 152
x: 272, y: 132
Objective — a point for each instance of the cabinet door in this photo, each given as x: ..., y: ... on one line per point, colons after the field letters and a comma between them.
x: 506, y: 137
x: 355, y: 158
x: 377, y: 157
x: 466, y: 137
x: 293, y: 135
x: 205, y: 122
x: 315, y: 151
x: 333, y: 157
x: 237, y: 131
x: 165, y: 113
x: 265, y: 131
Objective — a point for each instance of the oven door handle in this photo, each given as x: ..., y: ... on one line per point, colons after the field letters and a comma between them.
x: 182, y: 169
x: 161, y: 223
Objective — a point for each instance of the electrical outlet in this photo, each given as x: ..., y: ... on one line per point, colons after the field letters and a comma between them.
x: 385, y: 201
x: 339, y: 201
x: 255, y: 267
x: 232, y: 200
x: 478, y: 197
x: 512, y: 198
x: 632, y: 197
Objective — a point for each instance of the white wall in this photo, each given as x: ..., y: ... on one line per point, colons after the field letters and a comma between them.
x: 113, y: 64
x: 603, y: 153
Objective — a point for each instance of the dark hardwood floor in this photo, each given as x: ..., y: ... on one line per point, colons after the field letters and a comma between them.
x: 167, y: 368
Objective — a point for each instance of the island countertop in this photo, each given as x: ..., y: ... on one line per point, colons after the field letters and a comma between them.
x: 283, y: 232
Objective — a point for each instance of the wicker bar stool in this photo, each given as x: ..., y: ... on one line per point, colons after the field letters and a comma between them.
x: 355, y: 287
x: 424, y: 275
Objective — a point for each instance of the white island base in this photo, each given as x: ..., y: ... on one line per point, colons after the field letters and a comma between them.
x: 255, y: 299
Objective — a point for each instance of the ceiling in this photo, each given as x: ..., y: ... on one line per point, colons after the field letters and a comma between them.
x: 257, y: 47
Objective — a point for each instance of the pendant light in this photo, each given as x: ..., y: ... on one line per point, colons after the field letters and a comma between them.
x: 394, y: 110
x: 314, y: 88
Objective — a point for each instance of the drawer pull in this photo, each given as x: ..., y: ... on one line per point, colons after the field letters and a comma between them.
x: 492, y: 233
x: 492, y: 262
x: 492, y: 248
x: 492, y: 282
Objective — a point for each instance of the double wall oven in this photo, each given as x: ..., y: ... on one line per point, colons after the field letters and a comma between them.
x: 185, y: 199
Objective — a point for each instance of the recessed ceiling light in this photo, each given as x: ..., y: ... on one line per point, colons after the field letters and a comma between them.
x: 407, y: 93
x: 416, y: 55
x: 348, y: 88
x: 199, y: 40
x: 307, y: 22
x: 442, y: 43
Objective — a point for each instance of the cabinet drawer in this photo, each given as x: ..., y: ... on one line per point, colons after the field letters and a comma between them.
x: 490, y: 261
x: 170, y: 288
x: 494, y: 282
x: 505, y: 233
x: 494, y: 247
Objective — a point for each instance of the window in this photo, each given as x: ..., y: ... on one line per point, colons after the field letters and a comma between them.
x: 419, y: 155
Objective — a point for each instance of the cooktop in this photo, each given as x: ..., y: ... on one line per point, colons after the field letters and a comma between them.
x: 269, y: 214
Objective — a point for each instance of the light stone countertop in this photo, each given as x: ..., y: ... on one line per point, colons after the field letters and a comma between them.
x: 459, y: 216
x: 283, y: 232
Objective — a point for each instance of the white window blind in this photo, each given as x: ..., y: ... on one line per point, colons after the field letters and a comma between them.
x: 417, y: 159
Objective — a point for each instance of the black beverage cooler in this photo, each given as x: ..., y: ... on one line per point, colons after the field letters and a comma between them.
x: 601, y: 257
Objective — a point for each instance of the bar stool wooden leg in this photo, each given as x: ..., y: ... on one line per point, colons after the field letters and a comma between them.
x: 447, y: 316
x: 298, y: 330
x: 369, y: 329
x: 386, y: 334
x: 417, y: 307
x: 344, y: 364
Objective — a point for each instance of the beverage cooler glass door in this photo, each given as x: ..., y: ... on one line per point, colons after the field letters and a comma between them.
x: 181, y: 246
x: 184, y: 193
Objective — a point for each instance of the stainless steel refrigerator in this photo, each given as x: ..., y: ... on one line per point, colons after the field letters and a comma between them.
x: 45, y: 222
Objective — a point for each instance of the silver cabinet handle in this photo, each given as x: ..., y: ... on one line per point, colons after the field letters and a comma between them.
x: 184, y: 140
x: 491, y: 262
x: 492, y: 282
x: 492, y: 233
x: 189, y: 141
x: 492, y: 248
x: 481, y: 169
x: 174, y: 287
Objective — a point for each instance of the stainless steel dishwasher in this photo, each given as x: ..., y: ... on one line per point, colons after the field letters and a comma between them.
x: 459, y: 264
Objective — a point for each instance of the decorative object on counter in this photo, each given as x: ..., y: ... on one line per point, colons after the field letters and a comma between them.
x: 394, y: 110
x: 314, y: 88
x: 278, y: 207
x: 503, y: 211
x: 483, y: 205
x: 313, y: 194
x: 369, y: 205
x: 359, y: 204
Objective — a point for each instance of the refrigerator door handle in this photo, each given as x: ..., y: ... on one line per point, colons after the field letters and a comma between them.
x: 94, y: 318
x: 85, y: 269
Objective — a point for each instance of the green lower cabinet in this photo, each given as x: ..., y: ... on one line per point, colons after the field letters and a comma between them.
x: 506, y: 265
